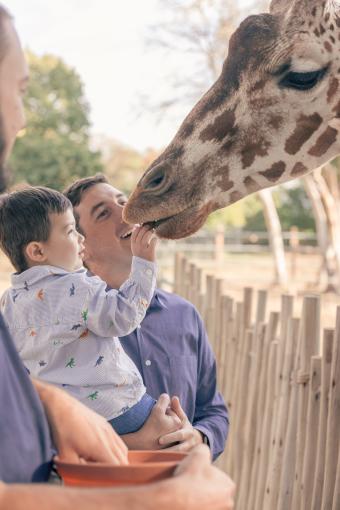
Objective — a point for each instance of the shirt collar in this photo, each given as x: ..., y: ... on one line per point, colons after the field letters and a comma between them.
x: 37, y: 273
x: 158, y: 300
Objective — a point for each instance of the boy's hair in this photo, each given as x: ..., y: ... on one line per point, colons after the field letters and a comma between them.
x: 76, y: 191
x: 25, y: 217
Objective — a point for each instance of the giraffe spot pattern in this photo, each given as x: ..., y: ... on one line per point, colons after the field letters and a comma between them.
x: 224, y: 183
x: 324, y: 142
x: 222, y: 126
x: 298, y: 169
x: 251, y: 185
x: 274, y: 173
x: 306, y: 126
x: 253, y: 149
x: 333, y: 87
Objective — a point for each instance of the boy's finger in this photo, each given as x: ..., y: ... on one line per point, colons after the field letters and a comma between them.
x: 135, y: 233
x: 145, y: 235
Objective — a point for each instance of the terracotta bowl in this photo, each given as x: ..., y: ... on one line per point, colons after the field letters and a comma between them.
x: 144, y: 467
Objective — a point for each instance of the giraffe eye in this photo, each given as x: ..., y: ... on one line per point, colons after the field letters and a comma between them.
x: 302, y: 81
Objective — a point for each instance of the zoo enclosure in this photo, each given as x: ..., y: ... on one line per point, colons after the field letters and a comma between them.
x: 281, y: 379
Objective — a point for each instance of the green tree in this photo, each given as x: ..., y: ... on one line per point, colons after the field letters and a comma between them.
x: 54, y: 148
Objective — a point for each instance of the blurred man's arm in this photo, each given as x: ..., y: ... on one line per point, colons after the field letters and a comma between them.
x: 79, y: 433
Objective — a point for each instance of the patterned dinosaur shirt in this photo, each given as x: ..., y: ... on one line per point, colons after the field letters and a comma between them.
x: 65, y: 327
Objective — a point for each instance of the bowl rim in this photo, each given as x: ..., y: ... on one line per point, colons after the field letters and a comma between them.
x: 105, y: 465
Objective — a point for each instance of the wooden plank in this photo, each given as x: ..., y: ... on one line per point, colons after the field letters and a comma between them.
x: 327, y: 352
x: 333, y: 423
x: 313, y: 418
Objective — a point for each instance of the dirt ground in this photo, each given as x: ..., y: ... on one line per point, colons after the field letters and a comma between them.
x: 257, y: 271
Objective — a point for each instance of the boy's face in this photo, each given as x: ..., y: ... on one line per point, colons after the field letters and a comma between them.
x: 64, y: 247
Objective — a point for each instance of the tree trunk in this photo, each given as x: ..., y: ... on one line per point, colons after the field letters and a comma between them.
x: 327, y: 219
x: 275, y: 236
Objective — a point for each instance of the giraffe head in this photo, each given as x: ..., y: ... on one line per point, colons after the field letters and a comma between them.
x: 272, y: 116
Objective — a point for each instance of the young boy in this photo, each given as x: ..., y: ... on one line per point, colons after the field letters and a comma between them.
x: 65, y: 322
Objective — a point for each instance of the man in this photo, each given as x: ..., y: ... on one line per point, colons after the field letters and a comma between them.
x: 29, y: 413
x: 170, y: 348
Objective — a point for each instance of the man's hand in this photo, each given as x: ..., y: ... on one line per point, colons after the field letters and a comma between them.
x: 78, y: 433
x: 187, y: 436
x: 205, y: 485
x: 160, y: 422
x: 143, y: 243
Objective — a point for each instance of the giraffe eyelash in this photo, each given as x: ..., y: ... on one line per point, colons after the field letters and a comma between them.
x: 303, y: 81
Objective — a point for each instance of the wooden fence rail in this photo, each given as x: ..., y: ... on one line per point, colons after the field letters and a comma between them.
x: 281, y: 380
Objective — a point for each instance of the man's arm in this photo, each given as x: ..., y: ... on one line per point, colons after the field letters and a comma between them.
x: 159, y: 423
x: 211, y: 416
x: 197, y: 485
x: 79, y: 433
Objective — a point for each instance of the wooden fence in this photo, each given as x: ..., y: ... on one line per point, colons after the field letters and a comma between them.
x: 281, y: 380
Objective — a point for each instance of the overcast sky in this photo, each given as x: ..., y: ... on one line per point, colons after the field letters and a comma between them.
x: 105, y: 41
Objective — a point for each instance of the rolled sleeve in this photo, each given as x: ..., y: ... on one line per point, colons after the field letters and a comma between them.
x: 118, y: 312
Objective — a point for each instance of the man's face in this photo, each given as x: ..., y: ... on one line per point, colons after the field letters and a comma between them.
x: 13, y: 83
x: 107, y: 236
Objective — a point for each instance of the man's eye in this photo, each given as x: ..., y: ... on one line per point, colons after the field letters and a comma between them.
x: 102, y: 214
x: 303, y: 81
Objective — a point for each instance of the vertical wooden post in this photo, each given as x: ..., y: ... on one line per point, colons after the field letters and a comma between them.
x: 270, y: 334
x: 327, y: 350
x: 313, y: 415
x: 178, y: 273
x: 289, y: 343
x: 333, y: 424
x: 309, y: 345
x: 219, y: 245
x: 242, y: 399
x: 336, y: 497
x: 250, y: 425
x: 266, y: 428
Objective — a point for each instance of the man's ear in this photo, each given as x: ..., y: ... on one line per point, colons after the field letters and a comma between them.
x: 35, y: 252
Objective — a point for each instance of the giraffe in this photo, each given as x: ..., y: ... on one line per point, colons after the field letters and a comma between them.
x: 272, y: 115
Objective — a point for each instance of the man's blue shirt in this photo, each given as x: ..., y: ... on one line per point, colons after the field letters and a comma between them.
x: 173, y: 354
x: 25, y: 441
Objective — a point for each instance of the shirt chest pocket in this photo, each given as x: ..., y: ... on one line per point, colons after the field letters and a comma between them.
x: 184, y: 375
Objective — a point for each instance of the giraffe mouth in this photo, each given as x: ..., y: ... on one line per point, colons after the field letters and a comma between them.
x: 182, y: 224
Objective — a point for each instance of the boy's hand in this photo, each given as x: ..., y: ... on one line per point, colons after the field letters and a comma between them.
x: 160, y: 422
x: 143, y: 243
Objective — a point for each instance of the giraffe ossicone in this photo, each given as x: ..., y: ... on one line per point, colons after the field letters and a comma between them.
x: 272, y: 115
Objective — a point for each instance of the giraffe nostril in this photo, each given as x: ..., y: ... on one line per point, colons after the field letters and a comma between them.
x: 154, y: 179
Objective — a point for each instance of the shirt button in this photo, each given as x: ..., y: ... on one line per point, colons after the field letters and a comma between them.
x: 148, y: 362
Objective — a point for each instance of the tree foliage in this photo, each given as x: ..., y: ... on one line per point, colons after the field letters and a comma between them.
x: 54, y: 148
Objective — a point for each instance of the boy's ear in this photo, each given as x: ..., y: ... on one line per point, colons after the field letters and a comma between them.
x: 34, y: 251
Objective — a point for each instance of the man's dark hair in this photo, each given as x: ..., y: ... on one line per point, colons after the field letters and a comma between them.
x: 25, y: 217
x: 76, y: 191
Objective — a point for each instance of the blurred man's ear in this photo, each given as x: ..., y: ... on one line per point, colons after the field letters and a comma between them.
x: 35, y: 253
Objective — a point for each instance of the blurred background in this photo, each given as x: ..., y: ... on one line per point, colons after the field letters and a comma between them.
x: 111, y: 83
